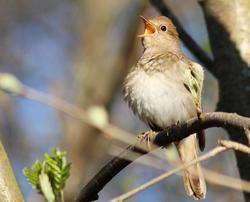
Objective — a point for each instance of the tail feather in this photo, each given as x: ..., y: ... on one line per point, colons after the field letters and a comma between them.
x: 194, y: 182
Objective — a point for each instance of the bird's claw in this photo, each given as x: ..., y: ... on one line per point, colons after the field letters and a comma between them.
x: 147, y: 137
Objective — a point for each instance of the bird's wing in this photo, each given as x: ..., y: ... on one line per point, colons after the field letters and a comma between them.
x: 194, y: 83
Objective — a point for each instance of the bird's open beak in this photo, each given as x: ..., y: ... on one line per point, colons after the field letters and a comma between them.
x: 149, y: 28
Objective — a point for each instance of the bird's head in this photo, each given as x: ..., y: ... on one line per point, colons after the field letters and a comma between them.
x: 160, y: 34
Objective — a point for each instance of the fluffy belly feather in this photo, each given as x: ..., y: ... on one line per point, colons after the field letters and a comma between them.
x: 158, y: 99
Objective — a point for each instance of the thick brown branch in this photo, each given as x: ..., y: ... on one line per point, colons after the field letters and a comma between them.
x: 172, y: 134
x: 198, y: 52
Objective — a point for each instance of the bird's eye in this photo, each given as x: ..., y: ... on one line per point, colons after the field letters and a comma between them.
x: 163, y: 28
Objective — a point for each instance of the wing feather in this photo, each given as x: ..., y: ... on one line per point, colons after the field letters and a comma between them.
x: 194, y: 83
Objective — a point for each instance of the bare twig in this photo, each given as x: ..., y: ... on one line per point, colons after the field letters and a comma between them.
x: 234, y: 145
x: 210, y: 154
x: 199, y: 53
x: 226, y: 181
x: 209, y: 175
x: 226, y: 145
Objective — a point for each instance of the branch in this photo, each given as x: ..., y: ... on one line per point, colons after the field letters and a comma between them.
x: 226, y: 181
x: 163, y: 138
x: 11, y: 85
x: 198, y: 52
x: 225, y: 146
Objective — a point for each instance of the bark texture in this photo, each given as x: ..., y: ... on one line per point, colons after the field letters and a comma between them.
x: 228, y: 24
x: 9, y: 190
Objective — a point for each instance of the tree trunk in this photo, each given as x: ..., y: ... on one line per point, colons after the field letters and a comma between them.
x: 9, y: 190
x: 228, y: 24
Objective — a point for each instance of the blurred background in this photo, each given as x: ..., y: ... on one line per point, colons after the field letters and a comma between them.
x: 80, y: 51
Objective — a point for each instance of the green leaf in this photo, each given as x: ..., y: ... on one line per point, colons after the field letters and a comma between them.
x: 49, y: 177
x: 46, y: 187
x: 59, y: 170
x: 37, y: 167
x: 32, y: 175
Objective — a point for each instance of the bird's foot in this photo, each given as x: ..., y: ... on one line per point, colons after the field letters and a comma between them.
x: 147, y: 137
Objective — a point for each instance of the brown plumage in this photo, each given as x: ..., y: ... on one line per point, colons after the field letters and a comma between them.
x: 164, y: 88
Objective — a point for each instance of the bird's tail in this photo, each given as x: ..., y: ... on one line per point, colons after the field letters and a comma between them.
x: 193, y: 178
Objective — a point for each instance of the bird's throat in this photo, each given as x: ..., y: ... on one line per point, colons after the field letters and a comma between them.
x: 153, y: 48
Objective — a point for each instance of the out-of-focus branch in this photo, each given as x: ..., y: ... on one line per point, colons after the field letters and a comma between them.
x: 198, y: 52
x: 9, y: 190
x: 225, y: 146
x: 172, y: 134
x: 108, y: 130
x: 226, y: 181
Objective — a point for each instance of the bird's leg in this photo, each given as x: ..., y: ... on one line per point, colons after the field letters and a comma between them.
x: 147, y: 137
x: 199, y: 112
x: 200, y: 134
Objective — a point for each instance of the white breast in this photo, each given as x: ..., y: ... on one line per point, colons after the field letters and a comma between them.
x: 159, y: 98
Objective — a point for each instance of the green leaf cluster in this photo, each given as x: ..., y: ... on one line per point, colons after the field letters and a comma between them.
x: 49, y: 177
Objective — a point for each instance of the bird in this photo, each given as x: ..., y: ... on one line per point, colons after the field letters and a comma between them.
x: 164, y: 88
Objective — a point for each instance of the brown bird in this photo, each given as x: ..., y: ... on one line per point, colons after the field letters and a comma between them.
x: 164, y: 88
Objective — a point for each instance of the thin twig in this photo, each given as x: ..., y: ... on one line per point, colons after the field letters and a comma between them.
x: 209, y: 175
x: 219, y: 149
x: 226, y: 181
x: 234, y: 145
x: 198, y: 52
x: 210, y: 154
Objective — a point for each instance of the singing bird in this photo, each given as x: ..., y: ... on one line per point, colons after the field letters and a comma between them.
x: 164, y: 88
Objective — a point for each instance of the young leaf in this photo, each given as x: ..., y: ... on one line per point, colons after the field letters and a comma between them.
x: 58, y: 169
x: 32, y: 175
x: 46, y: 187
x: 49, y: 177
